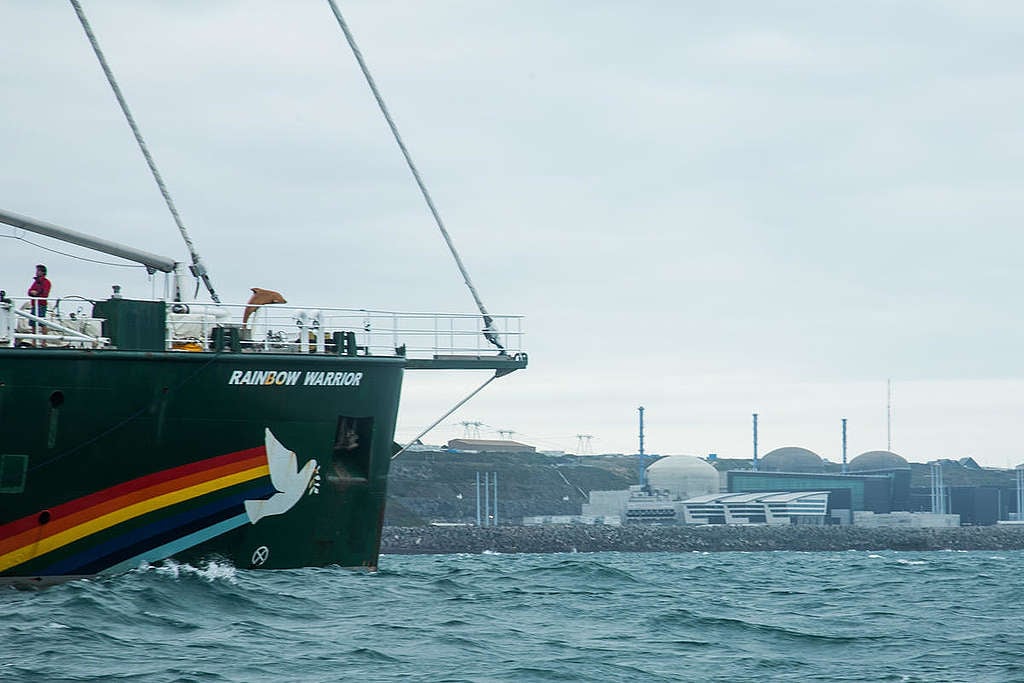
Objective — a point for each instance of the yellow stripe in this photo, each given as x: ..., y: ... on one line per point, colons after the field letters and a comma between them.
x: 28, y: 552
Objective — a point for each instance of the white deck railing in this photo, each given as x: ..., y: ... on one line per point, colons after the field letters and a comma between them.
x: 277, y: 328
x: 19, y: 326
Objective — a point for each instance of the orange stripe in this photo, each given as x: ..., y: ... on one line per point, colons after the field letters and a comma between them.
x: 58, y: 524
x: 127, y: 508
x: 64, y: 509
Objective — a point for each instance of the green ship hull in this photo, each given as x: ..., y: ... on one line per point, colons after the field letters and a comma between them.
x: 110, y: 459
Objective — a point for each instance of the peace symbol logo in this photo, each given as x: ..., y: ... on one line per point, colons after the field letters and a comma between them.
x: 260, y: 555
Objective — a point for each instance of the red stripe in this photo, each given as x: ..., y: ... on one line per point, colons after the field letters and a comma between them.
x: 60, y: 524
x: 72, y: 506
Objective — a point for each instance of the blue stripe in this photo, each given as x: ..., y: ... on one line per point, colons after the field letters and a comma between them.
x: 184, y: 543
x: 97, y: 557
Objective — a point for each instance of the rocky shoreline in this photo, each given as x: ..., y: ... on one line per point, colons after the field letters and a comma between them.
x: 579, y: 538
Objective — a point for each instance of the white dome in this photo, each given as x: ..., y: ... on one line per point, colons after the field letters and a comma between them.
x: 684, y: 476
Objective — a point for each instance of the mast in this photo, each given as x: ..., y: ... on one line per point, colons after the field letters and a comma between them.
x: 888, y: 415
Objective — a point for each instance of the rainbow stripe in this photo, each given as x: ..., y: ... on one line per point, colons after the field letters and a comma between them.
x: 145, y: 519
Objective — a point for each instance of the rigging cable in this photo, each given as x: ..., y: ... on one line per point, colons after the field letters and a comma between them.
x: 489, y: 332
x: 74, y: 256
x: 455, y: 407
x: 198, y: 269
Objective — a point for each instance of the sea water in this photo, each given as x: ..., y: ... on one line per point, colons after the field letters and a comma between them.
x: 774, y: 616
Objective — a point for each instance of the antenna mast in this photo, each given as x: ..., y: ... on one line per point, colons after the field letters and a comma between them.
x: 844, y: 445
x: 642, y: 482
x: 888, y: 415
x: 755, y: 442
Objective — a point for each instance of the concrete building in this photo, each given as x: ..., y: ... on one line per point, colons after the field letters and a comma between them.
x: 975, y: 505
x: 635, y: 505
x: 791, y: 459
x: 886, y: 463
x: 683, y: 476
x: 651, y: 506
x: 878, y: 461
x: 606, y: 504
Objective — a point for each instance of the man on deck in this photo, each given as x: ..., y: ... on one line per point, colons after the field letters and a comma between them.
x: 39, y: 290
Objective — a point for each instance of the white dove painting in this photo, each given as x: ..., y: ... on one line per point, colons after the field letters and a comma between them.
x: 289, y: 481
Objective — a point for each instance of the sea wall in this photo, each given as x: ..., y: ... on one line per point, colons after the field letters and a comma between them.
x: 580, y: 538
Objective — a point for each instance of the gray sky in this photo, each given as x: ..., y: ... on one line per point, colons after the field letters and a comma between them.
x: 709, y: 209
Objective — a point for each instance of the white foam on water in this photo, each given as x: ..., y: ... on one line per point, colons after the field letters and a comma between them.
x: 910, y: 562
x: 213, y: 571
x: 875, y: 557
x: 216, y: 571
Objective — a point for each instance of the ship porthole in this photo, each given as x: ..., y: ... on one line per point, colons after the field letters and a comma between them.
x: 57, y: 399
x: 44, y: 516
x: 260, y: 555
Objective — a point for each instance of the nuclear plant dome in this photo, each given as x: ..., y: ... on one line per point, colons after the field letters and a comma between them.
x: 878, y: 460
x: 685, y: 476
x: 791, y: 459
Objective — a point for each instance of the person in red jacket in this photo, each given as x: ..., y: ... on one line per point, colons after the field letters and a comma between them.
x: 39, y: 290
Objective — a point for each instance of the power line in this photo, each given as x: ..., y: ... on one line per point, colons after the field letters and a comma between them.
x: 471, y: 428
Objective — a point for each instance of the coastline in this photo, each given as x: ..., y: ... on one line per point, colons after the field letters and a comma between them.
x: 594, y: 538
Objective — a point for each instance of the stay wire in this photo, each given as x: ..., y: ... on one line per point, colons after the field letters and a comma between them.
x: 74, y: 256
x: 452, y: 410
x: 197, y: 264
x: 489, y: 332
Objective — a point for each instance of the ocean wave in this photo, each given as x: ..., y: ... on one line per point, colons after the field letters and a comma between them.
x: 606, y: 616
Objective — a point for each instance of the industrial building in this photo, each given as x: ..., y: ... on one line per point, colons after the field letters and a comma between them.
x: 849, y: 491
x: 667, y: 481
x: 489, y: 446
x: 874, y: 488
x: 809, y: 507
x: 886, y: 463
x: 876, y: 481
